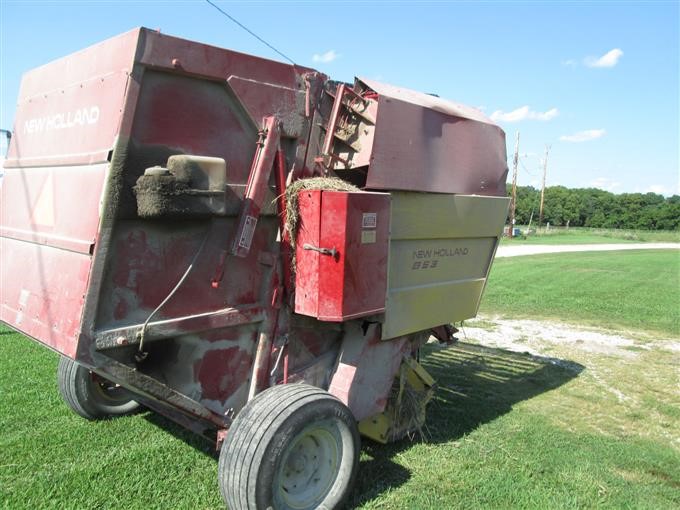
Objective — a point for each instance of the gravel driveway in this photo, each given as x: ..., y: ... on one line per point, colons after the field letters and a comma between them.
x: 516, y: 251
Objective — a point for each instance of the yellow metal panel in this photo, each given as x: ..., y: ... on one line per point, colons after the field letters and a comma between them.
x: 376, y: 427
x: 414, y: 309
x: 441, y: 249
x: 417, y: 262
x: 442, y: 216
x: 418, y: 372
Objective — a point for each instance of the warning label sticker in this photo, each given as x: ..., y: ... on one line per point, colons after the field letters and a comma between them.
x: 367, y: 236
x: 248, y: 232
x: 369, y: 220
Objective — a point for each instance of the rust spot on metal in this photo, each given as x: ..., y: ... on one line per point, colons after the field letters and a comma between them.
x: 222, y: 371
x: 221, y: 436
x: 120, y: 311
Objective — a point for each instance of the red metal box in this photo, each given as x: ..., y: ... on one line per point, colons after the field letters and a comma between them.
x: 341, y: 254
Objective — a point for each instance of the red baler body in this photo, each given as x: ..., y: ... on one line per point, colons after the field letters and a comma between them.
x: 349, y: 279
x: 84, y: 271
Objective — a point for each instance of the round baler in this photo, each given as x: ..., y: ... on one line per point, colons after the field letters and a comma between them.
x: 247, y: 248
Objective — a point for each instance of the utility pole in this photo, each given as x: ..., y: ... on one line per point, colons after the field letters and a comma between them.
x: 545, y: 170
x: 513, y: 201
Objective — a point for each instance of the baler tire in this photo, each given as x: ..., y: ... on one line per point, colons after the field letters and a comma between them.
x: 91, y: 396
x: 292, y: 446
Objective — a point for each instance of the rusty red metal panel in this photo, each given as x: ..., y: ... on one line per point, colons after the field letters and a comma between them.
x: 354, y: 283
x: 43, y: 291
x: 68, y: 117
x: 164, y: 51
x: 424, y: 143
x: 69, y: 111
x: 149, y: 261
x: 75, y: 125
x: 106, y: 57
x: 177, y: 114
x: 307, y: 262
x: 48, y: 227
x: 366, y: 369
x: 342, y: 266
x: 48, y: 206
x: 261, y: 99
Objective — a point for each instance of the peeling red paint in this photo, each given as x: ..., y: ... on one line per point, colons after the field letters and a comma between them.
x: 221, y: 372
x: 120, y: 311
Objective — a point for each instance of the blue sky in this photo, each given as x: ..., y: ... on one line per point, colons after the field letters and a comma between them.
x: 597, y: 81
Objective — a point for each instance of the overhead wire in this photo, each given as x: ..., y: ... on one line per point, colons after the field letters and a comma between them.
x: 250, y: 31
x: 525, y: 168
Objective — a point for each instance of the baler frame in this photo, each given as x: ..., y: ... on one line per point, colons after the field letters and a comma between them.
x: 173, y: 275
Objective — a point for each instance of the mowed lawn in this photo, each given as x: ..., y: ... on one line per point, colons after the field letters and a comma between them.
x: 633, y: 290
x: 506, y: 430
x: 582, y: 235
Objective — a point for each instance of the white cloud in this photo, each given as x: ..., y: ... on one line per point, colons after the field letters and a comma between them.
x: 523, y: 113
x: 325, y: 58
x: 584, y: 136
x: 609, y: 59
x: 660, y: 189
x: 604, y: 183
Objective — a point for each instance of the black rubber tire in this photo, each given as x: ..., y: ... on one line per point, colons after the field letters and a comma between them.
x: 89, y: 395
x: 264, y: 438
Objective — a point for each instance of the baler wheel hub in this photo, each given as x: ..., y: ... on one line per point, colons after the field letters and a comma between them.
x: 310, y: 465
x: 109, y: 392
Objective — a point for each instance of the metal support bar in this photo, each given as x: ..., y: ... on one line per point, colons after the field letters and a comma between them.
x: 280, y: 175
x: 158, y: 330
x: 333, y: 120
x: 256, y: 188
x: 142, y: 383
x: 268, y: 328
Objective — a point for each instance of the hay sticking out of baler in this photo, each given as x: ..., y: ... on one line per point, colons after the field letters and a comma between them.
x: 408, y: 413
x: 292, y: 207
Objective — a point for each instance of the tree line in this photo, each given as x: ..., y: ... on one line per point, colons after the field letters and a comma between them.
x: 591, y: 207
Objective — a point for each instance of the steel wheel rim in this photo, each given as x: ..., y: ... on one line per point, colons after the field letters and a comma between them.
x: 108, y: 392
x: 310, y: 466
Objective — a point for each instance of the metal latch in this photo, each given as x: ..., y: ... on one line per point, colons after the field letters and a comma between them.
x: 323, y: 251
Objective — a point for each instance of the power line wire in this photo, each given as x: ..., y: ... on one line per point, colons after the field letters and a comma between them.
x: 250, y: 32
x: 526, y: 169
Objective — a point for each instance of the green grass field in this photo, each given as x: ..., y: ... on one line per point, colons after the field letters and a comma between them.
x: 576, y: 429
x: 635, y: 290
x: 582, y: 235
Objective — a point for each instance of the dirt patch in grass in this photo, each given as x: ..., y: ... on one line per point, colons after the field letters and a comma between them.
x: 533, y: 336
x: 628, y: 385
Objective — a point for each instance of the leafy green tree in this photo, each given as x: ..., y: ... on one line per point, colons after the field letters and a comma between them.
x: 591, y: 207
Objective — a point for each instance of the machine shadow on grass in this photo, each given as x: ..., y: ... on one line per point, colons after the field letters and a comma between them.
x: 475, y: 385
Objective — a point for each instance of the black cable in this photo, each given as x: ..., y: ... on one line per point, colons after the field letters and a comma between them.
x: 141, y: 353
x: 526, y: 169
x: 251, y: 32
